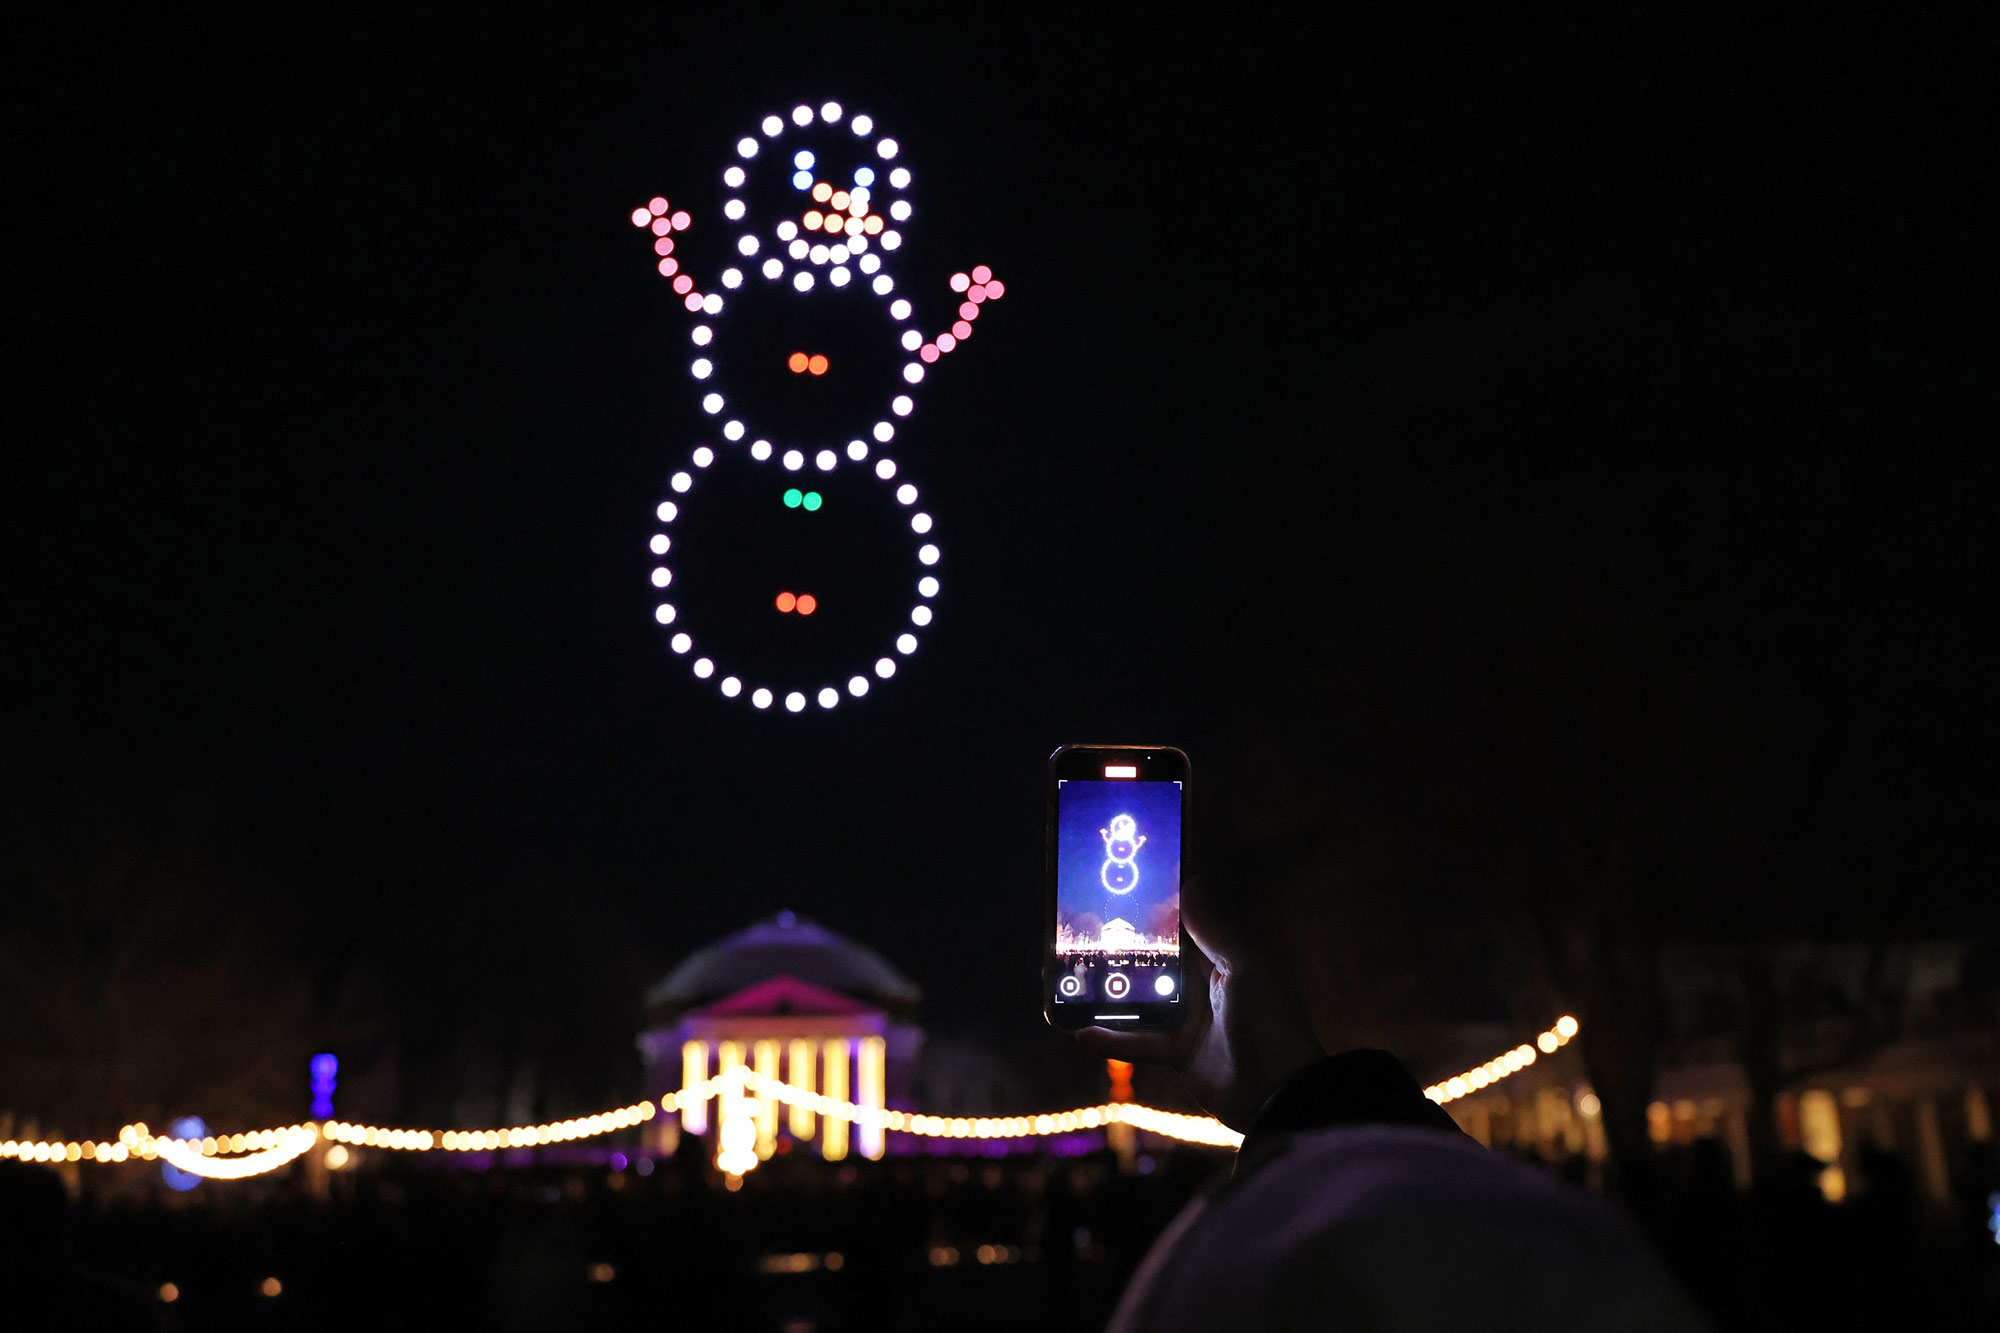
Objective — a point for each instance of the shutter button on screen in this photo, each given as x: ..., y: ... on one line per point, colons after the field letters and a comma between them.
x: 1117, y: 985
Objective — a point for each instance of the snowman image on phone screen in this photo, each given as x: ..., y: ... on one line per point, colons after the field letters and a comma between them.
x: 794, y: 562
x: 1122, y: 842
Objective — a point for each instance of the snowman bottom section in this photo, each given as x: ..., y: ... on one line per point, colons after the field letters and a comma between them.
x: 793, y: 588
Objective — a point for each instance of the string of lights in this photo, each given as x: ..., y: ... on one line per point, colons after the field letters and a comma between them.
x: 240, y: 1156
x: 1500, y: 1066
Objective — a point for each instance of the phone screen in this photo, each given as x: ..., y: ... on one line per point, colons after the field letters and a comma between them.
x: 1117, y: 890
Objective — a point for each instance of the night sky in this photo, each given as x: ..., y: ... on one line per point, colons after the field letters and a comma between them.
x: 1426, y: 430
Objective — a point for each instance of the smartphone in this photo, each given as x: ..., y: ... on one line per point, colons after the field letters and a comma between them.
x: 1117, y: 838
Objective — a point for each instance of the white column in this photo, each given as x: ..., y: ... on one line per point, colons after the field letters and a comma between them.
x: 870, y: 1068
x: 694, y: 1068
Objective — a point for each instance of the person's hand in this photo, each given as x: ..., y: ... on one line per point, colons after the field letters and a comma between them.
x: 1246, y: 1029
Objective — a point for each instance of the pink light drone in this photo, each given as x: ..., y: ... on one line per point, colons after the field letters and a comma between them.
x: 815, y: 208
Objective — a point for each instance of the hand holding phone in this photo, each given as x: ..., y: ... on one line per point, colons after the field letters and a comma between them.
x: 1117, y: 826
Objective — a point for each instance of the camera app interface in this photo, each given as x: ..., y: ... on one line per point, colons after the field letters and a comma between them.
x: 1118, y: 893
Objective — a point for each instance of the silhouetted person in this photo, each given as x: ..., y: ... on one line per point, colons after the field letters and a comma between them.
x: 41, y: 1284
x: 1356, y: 1202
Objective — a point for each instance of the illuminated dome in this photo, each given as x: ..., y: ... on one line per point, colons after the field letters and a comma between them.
x: 784, y: 945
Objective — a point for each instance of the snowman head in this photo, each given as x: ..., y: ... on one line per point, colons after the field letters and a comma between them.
x: 1123, y: 828
x: 814, y: 348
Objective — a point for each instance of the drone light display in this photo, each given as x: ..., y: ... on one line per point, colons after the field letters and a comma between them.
x: 784, y: 590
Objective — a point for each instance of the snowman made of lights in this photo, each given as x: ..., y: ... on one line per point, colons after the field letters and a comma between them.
x: 1122, y: 842
x: 815, y: 207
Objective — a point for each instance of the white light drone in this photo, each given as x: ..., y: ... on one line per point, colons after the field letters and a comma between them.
x: 814, y: 207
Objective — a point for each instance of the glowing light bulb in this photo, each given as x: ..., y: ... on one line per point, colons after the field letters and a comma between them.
x: 906, y: 494
x: 802, y: 280
x: 774, y: 268
x: 914, y: 372
x: 906, y: 644
x: 746, y: 245
x: 705, y: 455
x: 793, y: 460
x: 857, y: 685
x: 680, y: 481
x: 885, y: 667
x: 760, y: 698
x: 901, y: 405
x: 802, y: 116
x: 734, y: 178
x: 927, y: 586
x: 787, y: 603
x: 681, y: 643
x: 702, y: 367
x: 883, y: 284
x: 863, y: 125
x: 795, y: 702
x: 668, y: 511
x: 711, y: 403
x: 813, y: 502
x: 702, y: 335
x: 828, y: 697
x: 662, y: 576
x: 761, y: 450
x: 659, y: 544
x: 826, y: 460
x: 733, y: 210
x: 712, y: 304
x: 1565, y: 1027
x: 772, y: 127
x: 703, y: 667
x: 900, y: 210
x: 887, y: 148
x: 884, y: 432
x: 798, y: 249
x: 920, y: 523
x: 839, y: 277
x: 664, y: 613
x: 802, y: 180
x: 900, y: 178
x: 885, y: 469
x: 899, y: 309
x: 920, y: 616
x: 927, y: 554
x: 856, y: 450
x: 912, y: 340
x: 793, y: 498
x: 830, y: 112
x: 787, y: 229
x: 641, y: 218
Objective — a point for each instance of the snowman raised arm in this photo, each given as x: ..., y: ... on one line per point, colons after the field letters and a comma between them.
x: 807, y: 358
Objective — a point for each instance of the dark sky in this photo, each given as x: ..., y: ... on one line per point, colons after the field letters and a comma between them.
x: 1351, y: 388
